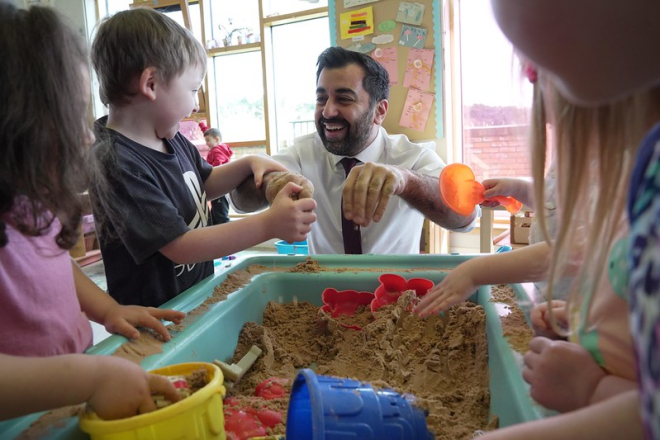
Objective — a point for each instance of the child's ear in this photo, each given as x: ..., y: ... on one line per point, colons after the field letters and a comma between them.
x: 148, y: 83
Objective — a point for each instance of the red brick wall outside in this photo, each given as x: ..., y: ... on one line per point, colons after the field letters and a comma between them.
x: 497, y: 151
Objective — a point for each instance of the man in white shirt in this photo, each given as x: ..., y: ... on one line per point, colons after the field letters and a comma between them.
x: 351, y: 104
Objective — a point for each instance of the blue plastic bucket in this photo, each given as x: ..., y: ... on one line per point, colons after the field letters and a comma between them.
x: 331, y: 408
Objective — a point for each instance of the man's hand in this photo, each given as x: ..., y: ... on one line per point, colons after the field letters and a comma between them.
x: 277, y: 180
x: 368, y: 190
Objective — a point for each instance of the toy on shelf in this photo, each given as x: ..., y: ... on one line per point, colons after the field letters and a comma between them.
x: 461, y: 192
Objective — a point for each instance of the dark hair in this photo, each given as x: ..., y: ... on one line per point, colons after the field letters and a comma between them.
x: 376, y: 80
x: 214, y: 132
x: 42, y: 123
x: 132, y: 40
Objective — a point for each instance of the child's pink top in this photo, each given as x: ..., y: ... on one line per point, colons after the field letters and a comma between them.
x: 39, y: 311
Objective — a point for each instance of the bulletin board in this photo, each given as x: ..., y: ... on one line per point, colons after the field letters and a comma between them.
x: 404, y: 36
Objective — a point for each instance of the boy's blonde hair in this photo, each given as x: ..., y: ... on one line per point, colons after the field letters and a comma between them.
x: 595, y: 148
x: 131, y: 41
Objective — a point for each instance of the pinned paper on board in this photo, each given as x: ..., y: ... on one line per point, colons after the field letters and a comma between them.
x: 387, y: 25
x: 353, y: 3
x: 411, y: 13
x: 387, y: 57
x: 416, y: 109
x: 356, y: 23
x: 418, y: 69
x: 412, y: 36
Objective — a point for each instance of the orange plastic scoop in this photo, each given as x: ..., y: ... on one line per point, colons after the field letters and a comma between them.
x: 462, y: 193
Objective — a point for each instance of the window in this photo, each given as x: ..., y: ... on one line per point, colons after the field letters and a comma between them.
x: 239, y: 97
x: 493, y: 101
x: 294, y: 87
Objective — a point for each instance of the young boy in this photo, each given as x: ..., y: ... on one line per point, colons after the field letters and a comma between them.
x: 153, y: 234
x: 219, y: 154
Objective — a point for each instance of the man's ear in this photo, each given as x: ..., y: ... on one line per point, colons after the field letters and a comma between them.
x: 381, y: 111
x: 149, y: 83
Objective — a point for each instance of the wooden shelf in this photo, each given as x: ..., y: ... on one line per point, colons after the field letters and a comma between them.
x: 89, y: 258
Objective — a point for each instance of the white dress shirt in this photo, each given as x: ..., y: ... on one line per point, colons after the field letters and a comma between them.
x: 399, y: 230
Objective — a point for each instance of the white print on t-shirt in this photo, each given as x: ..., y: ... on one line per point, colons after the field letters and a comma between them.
x: 201, y: 216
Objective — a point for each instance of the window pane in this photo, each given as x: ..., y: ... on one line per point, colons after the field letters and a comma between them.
x: 240, y: 96
x: 294, y: 89
x: 496, y: 100
x: 234, y: 22
x: 279, y: 7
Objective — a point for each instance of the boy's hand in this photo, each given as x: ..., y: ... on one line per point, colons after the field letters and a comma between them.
x: 457, y: 286
x: 562, y: 375
x: 261, y: 165
x: 123, y: 389
x: 278, y: 180
x: 290, y: 219
x: 124, y: 320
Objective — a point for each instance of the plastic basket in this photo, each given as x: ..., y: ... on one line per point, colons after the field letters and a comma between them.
x: 297, y: 247
x: 198, y: 416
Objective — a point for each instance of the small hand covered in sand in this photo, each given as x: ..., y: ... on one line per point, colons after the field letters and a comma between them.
x: 516, y: 188
x: 540, y: 318
x: 123, y: 389
x: 457, y: 286
x: 291, y: 219
x: 124, y: 320
x: 277, y: 180
x: 563, y: 376
x: 262, y: 165
x: 368, y: 189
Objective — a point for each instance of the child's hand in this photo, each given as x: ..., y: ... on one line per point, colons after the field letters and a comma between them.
x: 261, y: 165
x: 540, y: 317
x: 279, y: 180
x: 124, y: 320
x: 516, y: 188
x: 123, y: 389
x: 562, y: 375
x: 457, y: 286
x: 289, y: 219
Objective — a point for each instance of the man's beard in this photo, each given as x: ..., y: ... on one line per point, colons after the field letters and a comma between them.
x: 356, y: 139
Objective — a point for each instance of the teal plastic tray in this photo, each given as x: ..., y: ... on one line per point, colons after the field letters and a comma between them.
x: 214, y: 334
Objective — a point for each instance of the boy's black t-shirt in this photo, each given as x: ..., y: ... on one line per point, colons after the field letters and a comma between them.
x: 155, y: 198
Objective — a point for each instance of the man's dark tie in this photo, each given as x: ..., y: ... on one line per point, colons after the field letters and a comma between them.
x: 350, y: 231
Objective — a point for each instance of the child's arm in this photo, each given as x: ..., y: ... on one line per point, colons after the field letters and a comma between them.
x: 539, y: 317
x: 227, y: 177
x: 102, y: 308
x: 618, y: 417
x: 114, y: 387
x: 287, y: 219
x: 519, y: 189
x: 247, y: 197
x: 518, y: 266
x: 564, y: 376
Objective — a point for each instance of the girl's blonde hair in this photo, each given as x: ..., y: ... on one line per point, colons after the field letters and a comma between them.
x: 594, y: 148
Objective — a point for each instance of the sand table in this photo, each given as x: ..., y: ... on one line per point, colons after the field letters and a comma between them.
x: 443, y: 361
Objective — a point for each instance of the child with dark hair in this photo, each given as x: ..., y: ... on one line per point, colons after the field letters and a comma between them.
x: 153, y: 222
x: 219, y: 154
x: 47, y: 300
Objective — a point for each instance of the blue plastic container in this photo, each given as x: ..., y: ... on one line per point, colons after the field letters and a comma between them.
x: 331, y: 408
x: 297, y: 247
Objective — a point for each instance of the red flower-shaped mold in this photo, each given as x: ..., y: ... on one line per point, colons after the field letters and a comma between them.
x: 392, y: 286
x: 344, y: 303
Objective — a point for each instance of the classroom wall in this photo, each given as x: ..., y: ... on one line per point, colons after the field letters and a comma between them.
x: 396, y: 13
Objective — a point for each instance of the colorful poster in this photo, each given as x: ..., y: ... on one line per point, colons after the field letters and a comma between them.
x: 411, y: 13
x: 387, y: 57
x: 412, y: 36
x: 356, y: 23
x: 418, y: 69
x: 353, y: 3
x: 416, y: 109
